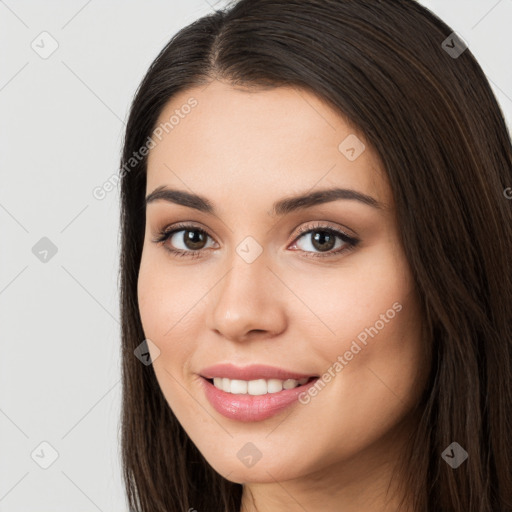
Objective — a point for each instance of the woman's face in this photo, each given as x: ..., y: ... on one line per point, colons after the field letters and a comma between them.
x: 317, y: 287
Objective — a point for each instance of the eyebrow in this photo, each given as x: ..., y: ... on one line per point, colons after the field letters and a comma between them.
x: 281, y: 207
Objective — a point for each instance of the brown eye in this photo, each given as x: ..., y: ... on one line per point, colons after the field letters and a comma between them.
x: 322, y: 241
x: 194, y: 239
x: 183, y: 240
x: 191, y: 239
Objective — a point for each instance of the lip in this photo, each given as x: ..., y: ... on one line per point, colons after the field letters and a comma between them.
x: 251, y: 372
x: 248, y: 408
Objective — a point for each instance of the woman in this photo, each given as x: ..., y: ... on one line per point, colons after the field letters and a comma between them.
x: 316, y: 244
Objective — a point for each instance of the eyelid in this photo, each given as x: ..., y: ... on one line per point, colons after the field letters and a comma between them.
x: 167, y: 232
x: 326, y: 225
x: 350, y: 241
x: 180, y: 226
x: 303, y: 229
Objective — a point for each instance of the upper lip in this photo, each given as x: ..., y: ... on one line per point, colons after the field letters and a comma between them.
x: 251, y: 372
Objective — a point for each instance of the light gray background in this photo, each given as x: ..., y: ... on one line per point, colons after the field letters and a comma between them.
x: 61, y: 123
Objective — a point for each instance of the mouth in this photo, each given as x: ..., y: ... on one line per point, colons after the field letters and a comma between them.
x: 254, y: 400
x: 257, y: 387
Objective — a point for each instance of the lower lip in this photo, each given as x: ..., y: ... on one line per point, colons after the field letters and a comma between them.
x: 252, y: 407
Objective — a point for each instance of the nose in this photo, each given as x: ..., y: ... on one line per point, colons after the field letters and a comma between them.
x: 248, y: 302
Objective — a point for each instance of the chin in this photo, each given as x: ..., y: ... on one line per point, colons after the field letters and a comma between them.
x: 263, y: 471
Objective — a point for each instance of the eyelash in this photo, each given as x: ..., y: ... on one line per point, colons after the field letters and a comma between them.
x: 166, y: 233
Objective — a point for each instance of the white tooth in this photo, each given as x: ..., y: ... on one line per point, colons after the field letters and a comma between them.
x: 239, y: 386
x: 274, y: 385
x: 290, y: 384
x: 257, y: 387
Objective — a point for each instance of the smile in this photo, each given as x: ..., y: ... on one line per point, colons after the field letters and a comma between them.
x: 256, y: 387
x: 252, y: 393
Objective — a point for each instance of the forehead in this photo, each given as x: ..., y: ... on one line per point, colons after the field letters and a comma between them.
x: 218, y: 137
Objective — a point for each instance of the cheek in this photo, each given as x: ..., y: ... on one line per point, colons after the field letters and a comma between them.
x: 375, y: 367
x: 166, y: 305
x: 169, y: 320
x: 167, y: 297
x: 372, y: 346
x: 358, y: 295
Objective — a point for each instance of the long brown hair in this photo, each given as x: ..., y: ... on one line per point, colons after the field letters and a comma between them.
x: 432, y: 117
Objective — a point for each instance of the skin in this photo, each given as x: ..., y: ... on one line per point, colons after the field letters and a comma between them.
x: 243, y: 150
